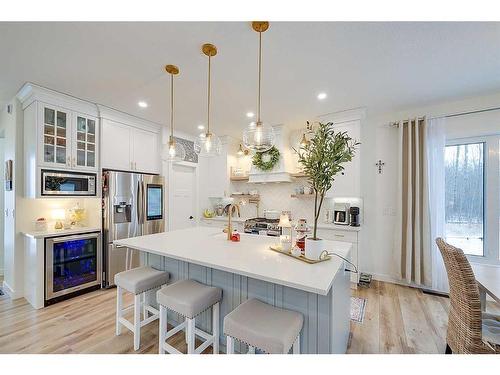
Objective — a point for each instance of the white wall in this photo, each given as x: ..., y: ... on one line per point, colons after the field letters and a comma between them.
x: 379, y: 141
x: 13, y: 241
x: 2, y: 215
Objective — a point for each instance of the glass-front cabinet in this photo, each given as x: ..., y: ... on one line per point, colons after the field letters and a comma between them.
x: 55, y: 136
x: 68, y: 139
x: 86, y: 142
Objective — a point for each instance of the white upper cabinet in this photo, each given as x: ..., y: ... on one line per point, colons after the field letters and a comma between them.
x: 54, y: 134
x: 116, y: 146
x: 347, y: 183
x: 128, y: 144
x: 66, y: 139
x: 145, y: 151
x: 63, y: 138
x: 85, y: 138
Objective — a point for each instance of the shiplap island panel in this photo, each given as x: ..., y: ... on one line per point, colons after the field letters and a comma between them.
x: 246, y: 269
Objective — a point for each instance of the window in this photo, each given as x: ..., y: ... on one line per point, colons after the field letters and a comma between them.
x: 464, y: 198
x: 472, y: 197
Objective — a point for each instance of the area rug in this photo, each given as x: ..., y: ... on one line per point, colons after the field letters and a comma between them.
x: 358, y: 309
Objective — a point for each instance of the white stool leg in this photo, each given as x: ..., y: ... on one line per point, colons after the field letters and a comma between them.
x: 230, y: 345
x: 215, y: 327
x: 162, y: 329
x: 190, y: 335
x: 296, y: 346
x: 137, y: 321
x: 144, y: 311
x: 119, y: 308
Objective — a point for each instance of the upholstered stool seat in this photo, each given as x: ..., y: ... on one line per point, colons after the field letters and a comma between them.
x: 189, y: 298
x: 138, y: 281
x: 263, y: 326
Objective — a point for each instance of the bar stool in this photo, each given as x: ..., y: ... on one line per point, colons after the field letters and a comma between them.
x: 137, y: 281
x: 263, y: 326
x: 189, y: 298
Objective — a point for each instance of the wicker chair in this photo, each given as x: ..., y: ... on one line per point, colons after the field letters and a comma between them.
x: 465, y: 320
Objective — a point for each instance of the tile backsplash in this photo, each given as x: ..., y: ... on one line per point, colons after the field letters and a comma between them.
x: 277, y: 196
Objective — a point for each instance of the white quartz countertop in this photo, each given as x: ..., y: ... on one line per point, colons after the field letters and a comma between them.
x: 60, y: 232
x: 250, y: 257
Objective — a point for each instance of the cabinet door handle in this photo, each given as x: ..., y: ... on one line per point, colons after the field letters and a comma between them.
x: 68, y: 163
x: 132, y: 165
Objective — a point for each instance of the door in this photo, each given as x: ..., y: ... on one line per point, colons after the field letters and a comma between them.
x: 115, y: 146
x: 183, y: 197
x: 84, y: 155
x: 55, y: 140
x: 145, y: 154
x: 121, y: 220
x: 153, y: 213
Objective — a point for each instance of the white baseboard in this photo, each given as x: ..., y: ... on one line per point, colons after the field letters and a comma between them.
x: 8, y: 291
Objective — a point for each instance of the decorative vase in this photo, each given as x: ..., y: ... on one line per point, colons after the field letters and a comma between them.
x: 314, y: 248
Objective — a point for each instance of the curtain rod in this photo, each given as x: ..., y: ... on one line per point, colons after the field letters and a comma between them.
x: 466, y: 113
x: 395, y: 124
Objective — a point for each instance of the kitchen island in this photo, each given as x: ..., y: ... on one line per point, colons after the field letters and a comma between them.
x: 248, y: 269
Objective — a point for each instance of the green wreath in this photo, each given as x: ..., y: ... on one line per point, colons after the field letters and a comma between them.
x: 272, y: 156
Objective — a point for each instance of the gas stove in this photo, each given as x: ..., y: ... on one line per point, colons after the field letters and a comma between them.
x: 262, y: 226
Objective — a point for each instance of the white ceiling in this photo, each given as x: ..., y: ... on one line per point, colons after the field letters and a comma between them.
x: 382, y: 66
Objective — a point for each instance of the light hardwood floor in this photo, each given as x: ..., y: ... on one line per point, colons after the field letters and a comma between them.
x: 397, y: 320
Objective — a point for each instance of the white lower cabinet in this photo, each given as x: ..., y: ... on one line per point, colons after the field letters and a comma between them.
x: 350, y: 236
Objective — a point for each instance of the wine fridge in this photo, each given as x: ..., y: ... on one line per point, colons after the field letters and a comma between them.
x: 73, y: 264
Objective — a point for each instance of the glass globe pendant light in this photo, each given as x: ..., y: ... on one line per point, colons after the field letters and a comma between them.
x: 259, y: 137
x: 208, y: 144
x: 175, y: 151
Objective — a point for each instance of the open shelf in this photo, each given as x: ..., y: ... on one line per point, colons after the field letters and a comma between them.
x: 239, y: 178
x: 248, y: 196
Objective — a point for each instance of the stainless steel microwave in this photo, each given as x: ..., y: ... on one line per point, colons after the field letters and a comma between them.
x: 68, y: 183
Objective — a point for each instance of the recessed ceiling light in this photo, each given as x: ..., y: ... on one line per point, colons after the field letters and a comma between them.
x: 142, y: 104
x: 322, y: 95
x: 201, y: 127
x: 250, y: 114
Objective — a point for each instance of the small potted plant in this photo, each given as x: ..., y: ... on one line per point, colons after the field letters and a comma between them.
x: 321, y: 159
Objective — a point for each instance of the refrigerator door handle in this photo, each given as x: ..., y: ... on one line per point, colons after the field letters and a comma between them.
x: 140, y: 202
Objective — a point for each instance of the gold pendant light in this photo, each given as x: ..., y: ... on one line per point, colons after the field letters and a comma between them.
x: 176, y: 151
x: 259, y: 137
x: 208, y: 144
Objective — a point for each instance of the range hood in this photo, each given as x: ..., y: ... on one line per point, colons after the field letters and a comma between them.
x: 280, y: 171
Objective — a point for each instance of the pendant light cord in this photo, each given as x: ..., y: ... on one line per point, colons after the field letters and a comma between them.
x: 171, y: 107
x: 208, y: 102
x: 260, y: 74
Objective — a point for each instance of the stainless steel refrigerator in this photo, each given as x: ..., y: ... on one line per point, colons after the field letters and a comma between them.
x: 133, y: 205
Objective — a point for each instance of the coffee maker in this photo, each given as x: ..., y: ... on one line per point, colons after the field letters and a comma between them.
x: 341, y: 213
x: 354, y: 216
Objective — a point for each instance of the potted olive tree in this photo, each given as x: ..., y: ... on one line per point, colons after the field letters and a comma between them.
x: 321, y: 159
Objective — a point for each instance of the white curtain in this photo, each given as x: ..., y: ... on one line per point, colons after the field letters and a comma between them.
x: 436, y: 142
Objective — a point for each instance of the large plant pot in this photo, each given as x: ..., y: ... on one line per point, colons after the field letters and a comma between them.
x: 314, y: 248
